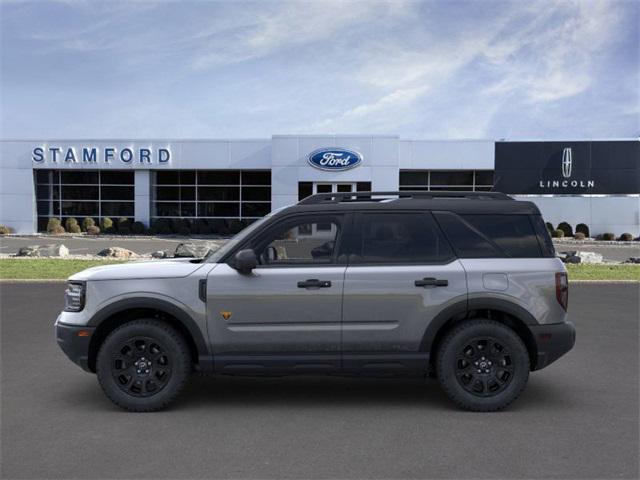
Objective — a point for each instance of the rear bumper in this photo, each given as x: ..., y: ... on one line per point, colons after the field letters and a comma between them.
x: 552, y: 342
x: 75, y: 344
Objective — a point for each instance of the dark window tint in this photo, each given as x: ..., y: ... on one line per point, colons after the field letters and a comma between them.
x: 414, y: 178
x: 116, y: 193
x: 363, y: 187
x: 256, y: 177
x: 219, y: 177
x: 400, y: 238
x: 256, y: 194
x: 305, y: 189
x: 168, y: 178
x: 255, y: 209
x: 117, y: 209
x: 514, y: 234
x: 548, y: 250
x: 117, y: 178
x: 78, y: 177
x: 80, y: 192
x: 467, y: 241
x: 454, y: 177
x: 43, y: 176
x: 219, y: 193
x: 484, y: 177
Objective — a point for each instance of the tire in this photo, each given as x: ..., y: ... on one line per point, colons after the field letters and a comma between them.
x: 500, y: 374
x: 143, y: 365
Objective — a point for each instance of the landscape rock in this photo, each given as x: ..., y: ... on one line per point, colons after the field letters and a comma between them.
x: 590, y: 257
x: 159, y: 254
x: 117, y: 252
x: 188, y: 250
x: 51, y: 250
x: 632, y: 260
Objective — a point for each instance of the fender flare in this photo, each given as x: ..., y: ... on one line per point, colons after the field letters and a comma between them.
x: 202, y: 347
x: 462, y: 308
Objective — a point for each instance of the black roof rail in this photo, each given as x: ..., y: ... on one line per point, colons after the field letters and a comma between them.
x: 338, y: 197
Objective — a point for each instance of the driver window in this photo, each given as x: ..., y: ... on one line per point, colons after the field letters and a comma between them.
x: 303, y: 242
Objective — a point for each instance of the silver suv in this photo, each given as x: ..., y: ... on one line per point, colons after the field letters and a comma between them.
x: 463, y: 286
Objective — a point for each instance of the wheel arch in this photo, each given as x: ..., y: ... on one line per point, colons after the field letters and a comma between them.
x: 118, y: 313
x: 503, y: 311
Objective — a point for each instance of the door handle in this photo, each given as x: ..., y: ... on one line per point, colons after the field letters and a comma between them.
x: 431, y: 282
x: 314, y: 283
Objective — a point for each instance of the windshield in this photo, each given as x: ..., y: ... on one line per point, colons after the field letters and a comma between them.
x: 214, y: 256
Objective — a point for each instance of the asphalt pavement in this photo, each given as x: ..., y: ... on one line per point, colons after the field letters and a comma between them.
x: 577, y: 419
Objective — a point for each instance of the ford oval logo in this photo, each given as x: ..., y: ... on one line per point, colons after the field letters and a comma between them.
x: 334, y: 159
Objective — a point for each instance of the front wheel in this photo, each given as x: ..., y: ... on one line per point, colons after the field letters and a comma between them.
x: 143, y: 365
x: 482, y: 365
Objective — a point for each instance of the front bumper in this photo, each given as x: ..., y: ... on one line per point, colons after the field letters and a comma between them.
x: 74, y: 341
x: 552, y: 342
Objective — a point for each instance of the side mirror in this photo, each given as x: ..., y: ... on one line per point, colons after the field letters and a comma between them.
x: 245, y: 261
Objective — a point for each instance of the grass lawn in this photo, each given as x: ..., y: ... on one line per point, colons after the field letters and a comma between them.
x: 46, y: 268
x: 60, y: 269
x: 604, y: 272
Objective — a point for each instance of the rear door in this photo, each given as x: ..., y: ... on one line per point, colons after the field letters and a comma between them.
x: 401, y: 274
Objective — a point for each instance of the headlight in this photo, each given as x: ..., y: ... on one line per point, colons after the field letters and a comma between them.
x: 74, y: 297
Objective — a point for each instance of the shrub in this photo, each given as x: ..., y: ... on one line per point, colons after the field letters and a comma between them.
x: 607, y: 236
x: 93, y: 230
x: 4, y: 230
x: 54, y: 224
x: 583, y: 228
x: 566, y: 228
x: 550, y: 226
x: 71, y: 224
x: 124, y: 226
x: 557, y: 233
x: 579, y: 236
x: 57, y: 230
x: 626, y: 237
x: 161, y: 226
x: 88, y: 222
x: 106, y: 225
x: 138, y: 228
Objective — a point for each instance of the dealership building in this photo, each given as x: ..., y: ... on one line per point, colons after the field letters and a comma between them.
x: 596, y: 182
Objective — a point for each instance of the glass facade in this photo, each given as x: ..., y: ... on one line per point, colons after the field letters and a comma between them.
x: 224, y: 194
x: 85, y: 193
x: 463, y: 180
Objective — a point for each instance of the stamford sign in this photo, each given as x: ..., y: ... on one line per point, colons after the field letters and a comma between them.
x: 334, y: 159
x: 95, y: 155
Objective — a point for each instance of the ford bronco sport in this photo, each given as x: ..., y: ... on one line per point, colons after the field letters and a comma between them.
x: 461, y: 285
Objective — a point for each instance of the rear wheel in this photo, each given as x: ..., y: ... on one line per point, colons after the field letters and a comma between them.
x: 143, y: 365
x: 482, y: 365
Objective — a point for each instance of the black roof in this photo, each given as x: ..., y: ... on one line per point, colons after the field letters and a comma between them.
x: 457, y: 202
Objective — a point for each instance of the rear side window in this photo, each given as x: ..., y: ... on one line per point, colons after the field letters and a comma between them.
x: 391, y: 238
x: 485, y: 236
x: 546, y: 244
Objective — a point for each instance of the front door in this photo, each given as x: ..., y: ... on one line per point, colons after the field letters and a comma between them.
x: 401, y: 274
x: 286, y: 314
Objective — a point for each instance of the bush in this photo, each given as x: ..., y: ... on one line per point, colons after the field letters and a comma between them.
x: 626, y: 237
x: 607, y: 236
x: 583, y: 228
x: 566, y: 228
x: 88, y: 222
x: 138, y: 228
x: 161, y: 226
x: 4, y: 230
x: 557, y: 233
x: 71, y: 225
x: 550, y: 226
x: 124, y: 226
x: 579, y: 236
x: 93, y: 230
x: 54, y: 225
x: 106, y: 226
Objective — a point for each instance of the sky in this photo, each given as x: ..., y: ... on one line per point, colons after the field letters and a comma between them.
x: 230, y: 69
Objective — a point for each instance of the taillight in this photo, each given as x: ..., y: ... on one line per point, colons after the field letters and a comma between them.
x: 562, y: 289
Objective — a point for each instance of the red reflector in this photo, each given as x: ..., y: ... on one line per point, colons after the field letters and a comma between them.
x: 562, y: 289
x: 544, y: 337
x: 84, y: 333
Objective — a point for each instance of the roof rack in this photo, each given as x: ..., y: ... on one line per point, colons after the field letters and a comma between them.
x: 422, y: 195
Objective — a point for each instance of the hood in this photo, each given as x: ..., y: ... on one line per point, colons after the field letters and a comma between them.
x: 139, y: 270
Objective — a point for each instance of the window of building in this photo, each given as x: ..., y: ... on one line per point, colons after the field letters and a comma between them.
x: 399, y: 238
x: 463, y: 180
x: 225, y: 194
x: 87, y: 193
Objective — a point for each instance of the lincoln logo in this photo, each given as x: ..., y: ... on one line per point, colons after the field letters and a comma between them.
x: 567, y: 167
x: 567, y: 160
x: 334, y: 159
